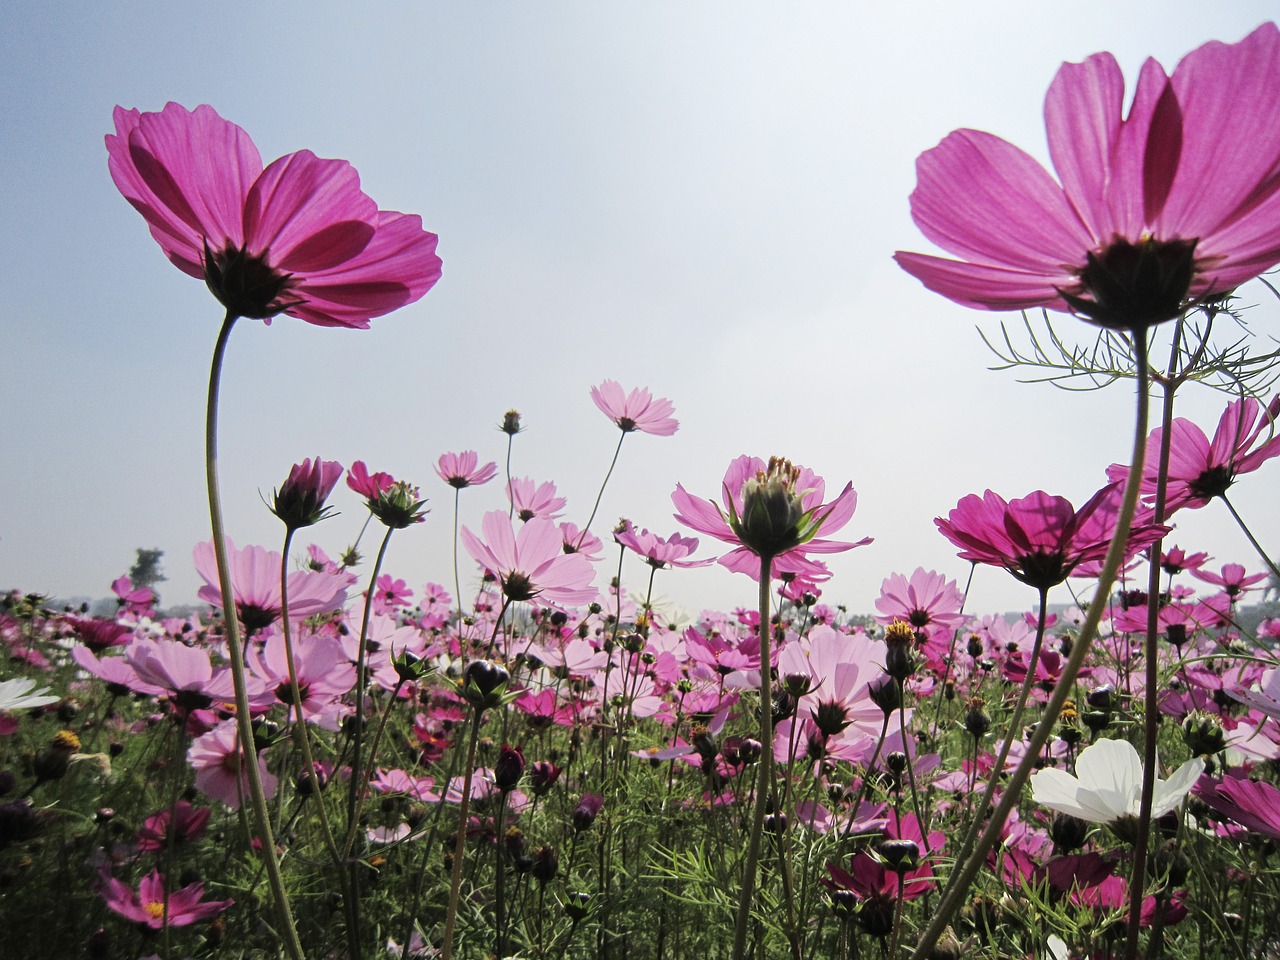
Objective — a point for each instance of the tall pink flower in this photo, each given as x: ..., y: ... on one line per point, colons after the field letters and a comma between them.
x: 926, y: 599
x: 1201, y: 469
x: 531, y: 564
x: 637, y: 410
x: 535, y: 500
x: 298, y: 237
x: 657, y: 551
x: 255, y: 581
x: 462, y: 469
x: 774, y: 510
x: 1040, y: 538
x: 1175, y: 202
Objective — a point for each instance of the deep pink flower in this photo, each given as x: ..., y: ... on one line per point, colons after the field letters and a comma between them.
x: 531, y: 563
x: 299, y: 237
x: 137, y: 600
x: 1039, y: 538
x: 1173, y: 203
x: 150, y: 906
x: 176, y: 824
x: 1255, y: 805
x: 300, y: 500
x: 637, y: 410
x: 659, y: 552
x: 1200, y: 469
x: 1176, y: 560
x: 1233, y: 580
x: 394, y: 502
x: 535, y: 500
x: 461, y: 469
x: 775, y: 509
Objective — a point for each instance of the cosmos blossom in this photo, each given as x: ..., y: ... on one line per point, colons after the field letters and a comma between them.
x: 773, y: 509
x: 1173, y: 203
x: 255, y: 580
x: 216, y: 759
x: 1039, y: 538
x: 1108, y: 784
x: 925, y: 599
x: 531, y: 563
x: 150, y: 906
x: 637, y: 410
x: 531, y: 499
x: 657, y: 551
x: 1201, y: 469
x: 460, y: 470
x: 298, y: 237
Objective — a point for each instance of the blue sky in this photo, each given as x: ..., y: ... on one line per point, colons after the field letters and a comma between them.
x: 701, y: 198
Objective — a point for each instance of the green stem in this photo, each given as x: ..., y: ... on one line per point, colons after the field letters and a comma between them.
x: 1088, y: 630
x: 612, y: 463
x: 244, y: 726
x: 1271, y: 564
x: 765, y: 773
x: 460, y: 838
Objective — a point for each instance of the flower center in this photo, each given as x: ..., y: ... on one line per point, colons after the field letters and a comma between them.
x: 1131, y: 286
x: 154, y: 910
x: 245, y: 284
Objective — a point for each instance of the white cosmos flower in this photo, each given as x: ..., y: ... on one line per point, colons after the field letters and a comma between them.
x: 16, y: 694
x: 1108, y: 784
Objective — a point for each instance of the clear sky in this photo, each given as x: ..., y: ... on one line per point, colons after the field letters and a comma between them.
x: 702, y: 198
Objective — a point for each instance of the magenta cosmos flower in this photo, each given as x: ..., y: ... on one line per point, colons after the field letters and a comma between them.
x: 460, y: 470
x: 1040, y: 538
x: 1176, y: 202
x: 300, y: 500
x: 637, y: 410
x: 298, y: 237
x: 532, y: 563
x: 150, y: 906
x: 773, y: 510
x: 657, y: 551
x: 1201, y: 469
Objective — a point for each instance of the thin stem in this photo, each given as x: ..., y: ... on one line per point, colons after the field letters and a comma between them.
x: 1088, y: 630
x: 460, y: 838
x: 457, y: 588
x: 244, y: 726
x: 1271, y: 564
x: 612, y: 463
x: 765, y: 774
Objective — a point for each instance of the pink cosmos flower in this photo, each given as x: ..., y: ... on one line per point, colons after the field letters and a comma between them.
x: 535, y: 500
x: 1176, y: 202
x: 460, y: 470
x: 255, y: 581
x: 659, y: 552
x: 1039, y: 538
x: 299, y: 237
x: 216, y: 758
x: 532, y: 563
x: 176, y: 824
x: 1255, y: 805
x: 637, y: 410
x: 1233, y: 580
x: 150, y: 906
x: 300, y: 500
x: 580, y: 541
x: 926, y: 599
x: 1200, y: 469
x: 1176, y: 560
x: 137, y: 600
x: 775, y: 509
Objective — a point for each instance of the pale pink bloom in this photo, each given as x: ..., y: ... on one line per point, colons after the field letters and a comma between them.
x: 1233, y: 580
x: 580, y: 541
x: 299, y: 237
x: 1179, y: 198
x: 775, y: 490
x: 323, y: 670
x: 657, y: 551
x: 531, y: 564
x: 637, y: 410
x: 150, y: 906
x: 137, y: 600
x: 255, y: 584
x: 184, y: 673
x: 535, y: 500
x: 216, y: 758
x: 926, y: 599
x: 1201, y: 469
x: 461, y: 469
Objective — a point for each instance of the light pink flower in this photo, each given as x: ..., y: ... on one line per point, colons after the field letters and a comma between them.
x: 531, y: 564
x: 216, y: 758
x: 299, y: 237
x: 461, y: 469
x: 535, y: 500
x: 775, y: 509
x: 927, y: 599
x: 659, y: 552
x: 255, y: 584
x: 150, y: 906
x: 637, y: 410
x: 1174, y: 202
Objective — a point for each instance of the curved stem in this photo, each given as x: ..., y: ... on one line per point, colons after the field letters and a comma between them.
x: 457, y: 588
x: 765, y: 773
x: 1063, y: 690
x: 244, y: 726
x: 612, y: 463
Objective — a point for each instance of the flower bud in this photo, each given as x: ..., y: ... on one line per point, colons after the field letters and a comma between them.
x: 300, y: 500
x: 510, y: 424
x: 509, y: 768
x: 773, y: 513
x: 886, y: 694
x: 585, y: 813
x: 1203, y: 734
x: 1068, y: 833
x: 900, y: 659
x: 546, y: 862
x: 543, y: 776
x: 976, y: 719
x: 484, y: 683
x: 900, y: 856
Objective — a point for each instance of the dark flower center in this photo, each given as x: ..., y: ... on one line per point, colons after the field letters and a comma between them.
x: 1042, y: 570
x: 246, y: 285
x: 1131, y: 286
x: 627, y: 424
x: 254, y: 618
x: 1212, y: 483
x: 517, y: 586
